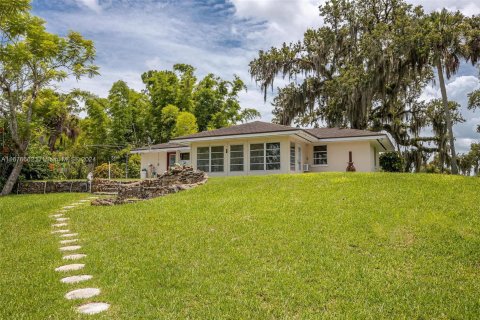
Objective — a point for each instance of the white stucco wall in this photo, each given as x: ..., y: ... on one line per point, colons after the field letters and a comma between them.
x: 337, y: 156
x: 364, y: 154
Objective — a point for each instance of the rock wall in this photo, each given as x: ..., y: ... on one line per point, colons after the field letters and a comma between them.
x: 107, y: 186
x: 171, y: 182
x: 30, y: 187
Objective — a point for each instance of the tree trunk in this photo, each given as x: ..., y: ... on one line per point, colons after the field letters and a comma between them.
x: 12, y: 178
x: 448, y: 118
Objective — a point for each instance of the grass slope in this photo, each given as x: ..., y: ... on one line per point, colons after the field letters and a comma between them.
x: 282, y: 246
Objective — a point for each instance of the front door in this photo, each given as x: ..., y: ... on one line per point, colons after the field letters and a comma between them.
x: 171, y: 159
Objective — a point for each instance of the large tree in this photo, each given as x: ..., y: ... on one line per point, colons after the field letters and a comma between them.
x: 32, y: 59
x: 357, y: 69
x: 446, y: 35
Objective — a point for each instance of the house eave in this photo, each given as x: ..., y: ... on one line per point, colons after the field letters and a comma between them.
x: 160, y: 150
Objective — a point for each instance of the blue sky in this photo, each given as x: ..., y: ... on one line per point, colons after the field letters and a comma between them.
x: 215, y: 36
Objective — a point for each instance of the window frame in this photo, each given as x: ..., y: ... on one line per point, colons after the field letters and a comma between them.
x: 265, y: 155
x: 209, y: 158
x: 235, y: 152
x: 315, y: 158
x: 293, y: 164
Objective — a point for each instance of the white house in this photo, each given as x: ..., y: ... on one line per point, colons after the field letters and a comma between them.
x: 263, y: 148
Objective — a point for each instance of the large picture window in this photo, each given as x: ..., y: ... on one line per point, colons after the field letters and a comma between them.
x: 320, y: 155
x: 236, y: 157
x: 210, y: 159
x: 265, y: 156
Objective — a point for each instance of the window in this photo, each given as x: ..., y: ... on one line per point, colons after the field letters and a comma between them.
x: 265, y: 156
x: 203, y: 159
x: 210, y: 159
x: 257, y: 156
x: 320, y: 155
x: 185, y: 156
x: 299, y: 159
x: 236, y: 157
x: 292, y: 156
x: 216, y: 156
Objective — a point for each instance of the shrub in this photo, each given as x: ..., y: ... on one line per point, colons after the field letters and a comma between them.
x: 101, y: 171
x: 391, y: 161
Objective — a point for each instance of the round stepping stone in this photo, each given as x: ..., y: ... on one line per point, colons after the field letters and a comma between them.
x: 68, y: 207
x: 83, y: 201
x: 76, y: 279
x: 62, y: 219
x: 74, y: 256
x: 70, y: 248
x: 82, y: 293
x: 63, y: 224
x: 68, y: 235
x: 70, y: 267
x: 93, y: 307
x: 61, y: 231
x: 58, y: 215
x: 68, y: 241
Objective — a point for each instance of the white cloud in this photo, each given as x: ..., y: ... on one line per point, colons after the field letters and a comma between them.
x: 91, y: 4
x: 286, y: 20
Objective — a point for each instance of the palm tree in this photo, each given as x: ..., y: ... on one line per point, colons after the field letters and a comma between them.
x: 446, y: 40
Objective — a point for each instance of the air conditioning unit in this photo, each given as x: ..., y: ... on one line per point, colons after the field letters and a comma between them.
x: 306, y: 167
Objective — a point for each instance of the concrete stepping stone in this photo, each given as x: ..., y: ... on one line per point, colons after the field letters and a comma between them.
x: 58, y: 215
x: 70, y: 267
x: 68, y: 207
x: 61, y: 231
x: 62, y: 224
x: 76, y: 279
x: 62, y: 219
x: 68, y: 241
x: 74, y: 256
x: 83, y: 201
x: 84, y: 293
x: 93, y: 307
x: 70, y: 248
x: 69, y: 235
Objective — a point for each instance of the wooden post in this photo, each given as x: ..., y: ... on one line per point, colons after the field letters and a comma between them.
x: 351, y: 166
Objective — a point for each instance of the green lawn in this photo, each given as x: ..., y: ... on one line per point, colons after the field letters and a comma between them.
x: 364, y: 246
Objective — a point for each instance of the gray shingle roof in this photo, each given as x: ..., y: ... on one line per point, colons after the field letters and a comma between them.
x: 266, y: 127
x: 246, y: 128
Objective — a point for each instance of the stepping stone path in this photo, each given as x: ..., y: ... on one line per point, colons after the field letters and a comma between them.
x: 68, y: 235
x: 84, y: 293
x: 63, y: 224
x: 70, y: 248
x: 70, y: 267
x: 76, y: 279
x: 74, y: 256
x: 68, y: 241
x: 61, y: 231
x: 93, y: 307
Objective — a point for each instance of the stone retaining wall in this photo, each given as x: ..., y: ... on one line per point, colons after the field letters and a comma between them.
x: 170, y: 182
x: 107, y: 186
x: 31, y: 187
